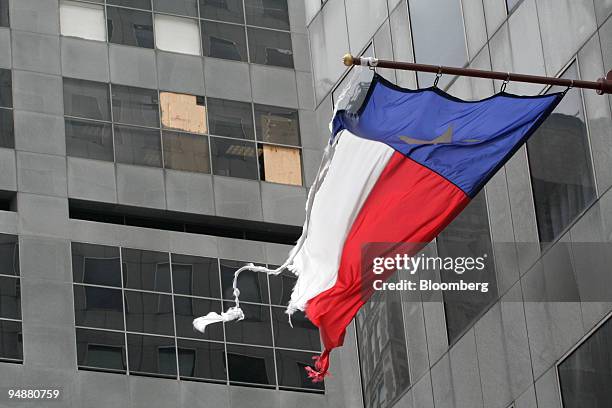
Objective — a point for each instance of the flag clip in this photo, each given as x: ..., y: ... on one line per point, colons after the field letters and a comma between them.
x: 505, y: 83
x: 570, y: 86
x: 438, y: 76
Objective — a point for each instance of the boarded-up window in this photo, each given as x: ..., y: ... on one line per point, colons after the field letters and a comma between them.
x: 280, y: 164
x: 183, y: 112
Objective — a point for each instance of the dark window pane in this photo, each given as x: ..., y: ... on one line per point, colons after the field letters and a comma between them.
x: 146, y: 270
x: 98, y: 307
x: 100, y: 349
x: 291, y: 368
x: 4, y: 13
x: 280, y: 164
x: 7, y: 134
x: 187, y: 309
x: 86, y: 99
x: 226, y: 41
x: 195, y: 275
x: 253, y: 285
x: 585, y: 376
x: 382, y: 348
x: 303, y: 335
x: 152, y: 355
x: 251, y: 364
x: 137, y: 146
x: 181, y: 7
x: 224, y: 10
x: 96, y: 264
x: 560, y: 164
x: 201, y: 360
x: 9, y: 255
x: 269, y: 47
x: 184, y: 151
x: 91, y: 140
x: 277, y: 125
x: 11, y: 340
x: 281, y: 287
x: 130, y: 27
x: 10, y: 298
x: 267, y: 13
x: 6, y: 88
x: 230, y: 118
x: 233, y: 158
x: 467, y: 236
x: 142, y: 4
x: 254, y: 329
x: 135, y: 106
x: 149, y: 313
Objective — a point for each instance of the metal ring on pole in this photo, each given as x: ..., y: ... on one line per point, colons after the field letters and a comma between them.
x: 570, y: 86
x: 438, y: 76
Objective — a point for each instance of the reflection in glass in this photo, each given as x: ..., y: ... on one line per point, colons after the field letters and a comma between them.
x: 130, y: 27
x: 6, y: 88
x: 254, y: 329
x: 149, y: 313
x: 141, y: 4
x: 10, y: 298
x: 201, y: 360
x: 303, y: 335
x: 382, y: 347
x: 140, y: 146
x: 98, y: 307
x: 585, y: 376
x: 233, y: 158
x: 291, y: 368
x: 7, y: 133
x: 135, y: 106
x: 226, y: 41
x: 267, y: 13
x: 560, y: 165
x: 187, y: 308
x: 183, y: 151
x: 90, y: 140
x: 180, y: 7
x: 281, y: 287
x: 253, y: 285
x: 230, y: 118
x: 253, y: 365
x: 96, y: 264
x: 9, y: 255
x: 223, y: 10
x: 277, y: 125
x: 278, y: 164
x: 100, y: 349
x: 269, y: 47
x: 152, y: 355
x: 86, y: 99
x: 195, y: 275
x: 4, y: 13
x: 146, y: 270
x: 11, y: 340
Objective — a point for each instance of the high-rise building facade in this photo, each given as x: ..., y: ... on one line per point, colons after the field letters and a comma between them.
x: 541, y: 337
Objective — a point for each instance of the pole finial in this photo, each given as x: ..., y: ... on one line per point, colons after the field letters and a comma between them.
x: 348, y: 60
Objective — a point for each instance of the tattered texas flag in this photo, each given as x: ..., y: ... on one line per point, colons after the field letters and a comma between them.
x: 400, y: 169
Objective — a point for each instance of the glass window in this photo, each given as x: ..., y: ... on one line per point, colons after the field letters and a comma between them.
x: 291, y: 368
x: 183, y: 112
x: 10, y: 298
x: 4, y: 13
x: 152, y: 355
x: 253, y: 285
x: 86, y: 99
x: 189, y: 308
x: 560, y: 165
x: 230, y: 118
x: 267, y: 13
x: 281, y: 287
x: 6, y: 88
x: 223, y: 10
x: 382, y: 347
x: 197, y: 276
x: 467, y: 235
x: 141, y: 4
x: 100, y: 349
x: 303, y: 335
x: 253, y: 365
x: 278, y: 164
x: 82, y: 20
x: 585, y: 376
x: 91, y: 140
x: 148, y: 313
x: 277, y: 125
x: 183, y: 151
x: 146, y: 270
x: 177, y: 34
x: 130, y: 27
x: 270, y: 47
x: 201, y: 360
x: 98, y: 307
x: 135, y: 106
x: 11, y: 340
x: 233, y: 158
x: 254, y: 329
x: 139, y: 146
x: 96, y: 264
x: 9, y: 255
x: 180, y: 7
x: 226, y: 41
x: 7, y: 133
